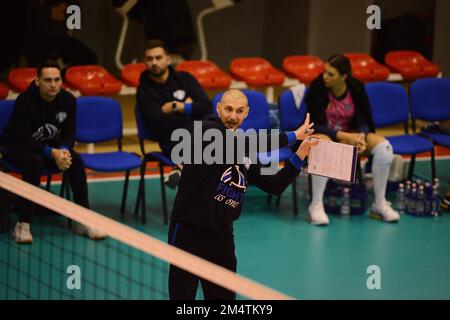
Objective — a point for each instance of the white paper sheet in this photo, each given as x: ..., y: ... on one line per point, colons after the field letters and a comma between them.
x: 333, y: 160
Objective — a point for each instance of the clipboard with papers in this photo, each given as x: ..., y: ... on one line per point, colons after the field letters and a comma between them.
x: 333, y: 160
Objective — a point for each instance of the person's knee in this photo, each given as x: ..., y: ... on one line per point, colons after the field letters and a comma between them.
x: 322, y: 136
x: 383, y: 153
x: 77, y: 161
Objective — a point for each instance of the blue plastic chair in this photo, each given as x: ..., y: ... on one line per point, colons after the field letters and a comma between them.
x: 291, y: 118
x: 6, y: 109
x: 258, y: 116
x: 389, y: 104
x: 99, y: 119
x: 430, y: 101
x: 163, y: 161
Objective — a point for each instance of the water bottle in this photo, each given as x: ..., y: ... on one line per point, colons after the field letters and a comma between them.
x: 436, y: 182
x: 435, y: 202
x: 400, y: 199
x: 407, y: 195
x: 420, y: 202
x: 428, y: 198
x: 412, y: 200
x: 418, y: 183
x: 345, y: 207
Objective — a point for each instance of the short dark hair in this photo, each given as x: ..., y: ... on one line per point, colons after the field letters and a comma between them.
x: 47, y: 64
x: 341, y: 63
x: 156, y: 43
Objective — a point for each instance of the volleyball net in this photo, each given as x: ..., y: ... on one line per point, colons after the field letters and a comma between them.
x: 127, y: 264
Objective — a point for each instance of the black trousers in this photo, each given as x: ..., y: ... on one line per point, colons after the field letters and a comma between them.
x: 32, y: 166
x: 205, y: 244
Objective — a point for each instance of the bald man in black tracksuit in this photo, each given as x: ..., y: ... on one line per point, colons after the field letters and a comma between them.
x: 210, y: 199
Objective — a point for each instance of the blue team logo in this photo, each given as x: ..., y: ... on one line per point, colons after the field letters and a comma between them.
x: 239, y: 179
x: 231, y: 188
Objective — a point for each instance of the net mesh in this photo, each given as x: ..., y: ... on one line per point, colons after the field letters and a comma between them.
x: 61, y: 265
x: 47, y: 269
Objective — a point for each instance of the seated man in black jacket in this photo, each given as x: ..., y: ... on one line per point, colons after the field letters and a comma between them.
x: 210, y: 197
x: 40, y: 135
x: 168, y: 99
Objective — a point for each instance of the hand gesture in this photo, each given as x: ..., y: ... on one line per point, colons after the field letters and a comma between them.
x: 305, y: 147
x: 305, y: 130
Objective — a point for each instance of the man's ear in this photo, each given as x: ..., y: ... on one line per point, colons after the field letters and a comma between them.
x: 247, y: 112
x: 36, y: 81
x: 217, y: 108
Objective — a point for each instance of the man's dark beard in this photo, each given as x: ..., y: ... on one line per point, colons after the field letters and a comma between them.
x: 156, y: 74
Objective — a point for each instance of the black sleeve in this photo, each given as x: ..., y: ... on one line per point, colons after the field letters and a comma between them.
x: 274, y: 184
x: 68, y: 130
x: 317, y: 101
x: 201, y: 105
x: 18, y: 130
x: 157, y: 121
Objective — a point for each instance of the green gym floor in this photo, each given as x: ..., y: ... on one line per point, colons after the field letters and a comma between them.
x: 273, y: 247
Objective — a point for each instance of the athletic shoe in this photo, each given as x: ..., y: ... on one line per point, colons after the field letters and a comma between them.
x: 22, y: 233
x: 93, y: 234
x: 384, y: 211
x: 317, y: 215
x: 173, y: 178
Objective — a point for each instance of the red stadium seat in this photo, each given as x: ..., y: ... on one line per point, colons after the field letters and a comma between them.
x: 92, y: 80
x: 19, y: 79
x: 208, y: 74
x: 304, y: 68
x: 256, y: 72
x: 411, y: 64
x: 3, y: 91
x: 131, y: 73
x: 366, y: 69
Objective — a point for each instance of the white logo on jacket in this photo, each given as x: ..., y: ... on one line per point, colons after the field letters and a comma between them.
x: 46, y: 132
x: 179, y: 95
x: 61, y: 116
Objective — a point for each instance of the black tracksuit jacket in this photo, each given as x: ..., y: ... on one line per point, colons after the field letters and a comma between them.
x: 211, y: 196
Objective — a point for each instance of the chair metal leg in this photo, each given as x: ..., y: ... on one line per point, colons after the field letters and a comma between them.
x: 49, y: 181
x: 433, y: 165
x: 124, y: 193
x: 4, y: 214
x: 142, y: 197
x: 294, y: 196
x: 163, y: 192
x: 138, y: 198
x: 411, y: 166
x: 63, y: 185
x: 277, y: 203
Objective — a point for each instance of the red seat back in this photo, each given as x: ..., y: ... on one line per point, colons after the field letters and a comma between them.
x: 132, y: 72
x: 304, y: 68
x: 256, y: 72
x: 208, y: 74
x: 411, y: 64
x: 3, y: 91
x: 92, y: 80
x: 19, y: 79
x: 366, y: 69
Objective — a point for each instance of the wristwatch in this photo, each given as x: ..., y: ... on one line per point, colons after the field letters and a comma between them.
x: 174, y: 106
